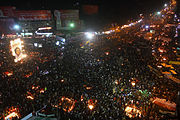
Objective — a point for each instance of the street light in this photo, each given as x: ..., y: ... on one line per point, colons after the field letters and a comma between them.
x: 147, y: 26
x: 158, y: 13
x: 89, y: 35
x: 72, y: 25
x: 90, y: 107
x: 16, y: 27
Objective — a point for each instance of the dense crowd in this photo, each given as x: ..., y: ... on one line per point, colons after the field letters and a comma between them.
x: 99, y: 79
x: 102, y: 72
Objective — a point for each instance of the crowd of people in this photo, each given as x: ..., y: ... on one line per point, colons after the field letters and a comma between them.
x: 99, y: 79
x: 102, y: 72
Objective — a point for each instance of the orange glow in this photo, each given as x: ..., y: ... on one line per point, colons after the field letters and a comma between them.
x: 45, y: 28
x: 42, y: 91
x: 164, y: 58
x: 67, y: 104
x: 91, y: 103
x: 12, y: 115
x: 62, y: 80
x: 161, y: 50
x: 30, y: 97
x: 28, y: 75
x: 133, y: 83
x: 8, y: 73
x: 116, y: 82
x: 33, y: 87
x: 88, y: 88
x: 130, y: 111
x: 107, y: 53
x: 82, y: 98
x: 90, y: 107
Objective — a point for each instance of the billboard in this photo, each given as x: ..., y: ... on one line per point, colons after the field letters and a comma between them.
x: 17, y: 49
x: 33, y: 14
x: 65, y: 17
x: 70, y: 14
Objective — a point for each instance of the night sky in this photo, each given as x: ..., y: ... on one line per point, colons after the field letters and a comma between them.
x: 116, y: 11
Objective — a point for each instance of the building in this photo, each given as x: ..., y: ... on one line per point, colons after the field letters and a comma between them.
x: 67, y: 19
x: 31, y: 20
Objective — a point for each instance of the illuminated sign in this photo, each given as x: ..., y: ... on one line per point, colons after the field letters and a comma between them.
x: 17, y: 49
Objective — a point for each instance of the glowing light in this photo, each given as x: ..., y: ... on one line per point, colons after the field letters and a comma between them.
x: 28, y: 75
x: 133, y: 83
x: 33, y: 87
x: 88, y: 88
x: 63, y: 40
x: 89, y: 35
x: 40, y: 45
x: 158, y: 13
x: 139, y: 20
x: 161, y: 50
x: 107, y: 53
x: 8, y: 73
x: 165, y: 5
x: 12, y: 115
x: 147, y: 26
x: 164, y: 58
x: 16, y: 27
x: 72, y: 25
x: 90, y: 107
x: 132, y: 110
x: 159, y: 66
x: 116, y: 82
x: 17, y: 49
x: 30, y: 97
x: 45, y: 28
x: 82, y: 98
x: 35, y: 44
x: 57, y: 43
x: 67, y: 104
x: 46, y: 34
x: 107, y: 32
x: 42, y: 91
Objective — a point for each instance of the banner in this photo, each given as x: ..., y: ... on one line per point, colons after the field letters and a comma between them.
x: 17, y: 49
x: 33, y: 14
x: 70, y: 14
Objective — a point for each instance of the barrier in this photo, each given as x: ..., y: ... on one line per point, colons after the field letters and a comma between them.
x: 27, y: 117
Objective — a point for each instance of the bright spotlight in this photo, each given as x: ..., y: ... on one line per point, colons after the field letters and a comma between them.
x: 165, y: 5
x: 16, y: 27
x: 72, y: 25
x: 158, y: 13
x: 147, y: 26
x: 57, y: 43
x: 35, y: 44
x: 90, y: 107
x: 89, y: 35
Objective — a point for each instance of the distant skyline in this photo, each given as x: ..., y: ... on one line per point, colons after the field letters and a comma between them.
x: 109, y: 10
